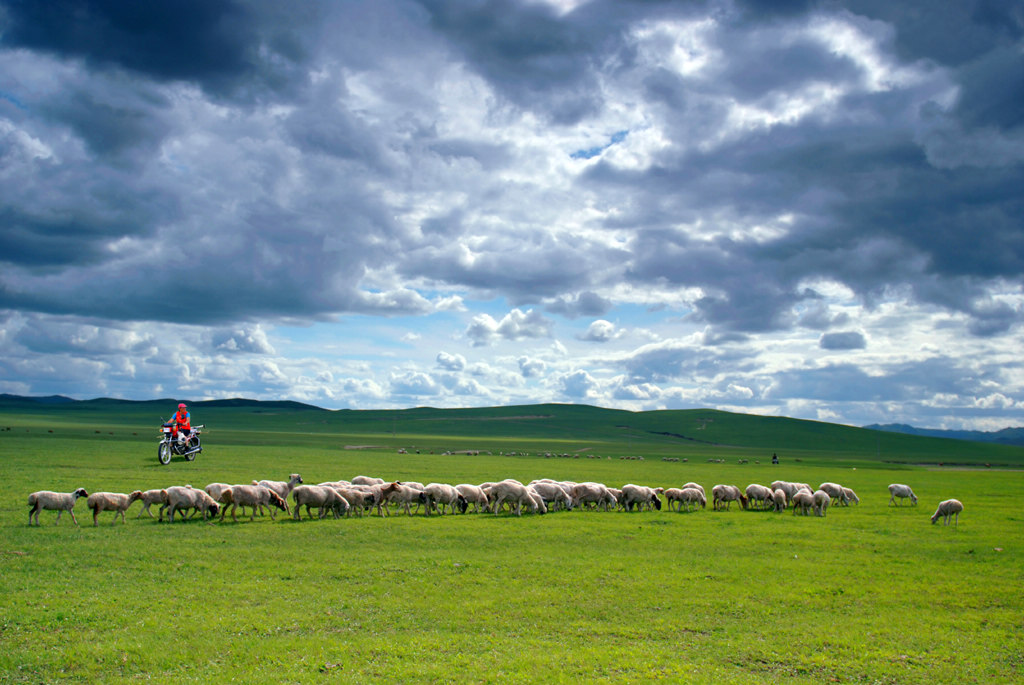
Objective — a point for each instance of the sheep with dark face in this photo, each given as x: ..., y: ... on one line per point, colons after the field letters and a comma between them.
x: 447, y: 496
x: 182, y: 498
x: 54, y: 501
x: 640, y: 495
x: 727, y: 494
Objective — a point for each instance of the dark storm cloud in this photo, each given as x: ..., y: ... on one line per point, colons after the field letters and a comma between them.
x: 226, y: 47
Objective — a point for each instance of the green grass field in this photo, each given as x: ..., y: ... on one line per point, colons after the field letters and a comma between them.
x: 870, y: 593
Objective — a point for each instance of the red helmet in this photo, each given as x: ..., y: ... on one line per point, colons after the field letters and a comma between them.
x: 182, y: 406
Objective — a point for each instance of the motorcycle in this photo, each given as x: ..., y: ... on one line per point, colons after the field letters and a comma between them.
x: 170, y: 446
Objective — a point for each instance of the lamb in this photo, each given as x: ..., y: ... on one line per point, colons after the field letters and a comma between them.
x: 727, y: 494
x: 54, y: 501
x: 802, y: 501
x: 779, y: 499
x: 322, y: 497
x: 254, y: 496
x: 282, y: 488
x: 474, y: 495
x: 834, y: 491
x: 445, y: 495
x: 901, y: 491
x: 759, y: 493
x: 116, y: 502
x: 149, y: 498
x: 821, y: 502
x: 187, y: 497
x: 947, y: 508
x: 640, y: 495
x: 851, y: 496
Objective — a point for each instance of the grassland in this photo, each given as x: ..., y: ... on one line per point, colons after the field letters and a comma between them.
x: 870, y: 594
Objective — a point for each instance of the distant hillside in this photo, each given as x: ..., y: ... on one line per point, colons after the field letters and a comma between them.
x: 1006, y: 436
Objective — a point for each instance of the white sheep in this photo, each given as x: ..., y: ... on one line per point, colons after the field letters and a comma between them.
x: 377, y: 492
x: 788, y: 488
x: 902, y: 491
x: 54, y: 501
x: 696, y: 486
x: 180, y: 498
x: 590, y: 493
x: 445, y: 495
x: 759, y: 493
x: 803, y: 501
x: 947, y: 508
x: 835, y: 491
x: 516, y: 493
x: 322, y: 497
x: 821, y: 502
x: 474, y: 495
x: 149, y: 498
x: 117, y: 502
x: 779, y: 499
x: 851, y: 496
x: 404, y: 495
x: 358, y: 500
x: 642, y: 496
x: 727, y: 494
x: 282, y: 488
x: 368, y: 480
x: 691, y: 497
x: 254, y: 496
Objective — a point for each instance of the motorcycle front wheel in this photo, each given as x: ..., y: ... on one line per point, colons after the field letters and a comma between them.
x: 163, y: 453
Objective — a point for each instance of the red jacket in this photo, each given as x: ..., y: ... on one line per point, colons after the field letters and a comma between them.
x: 182, y: 421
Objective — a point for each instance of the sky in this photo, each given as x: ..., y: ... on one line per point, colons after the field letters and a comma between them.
x: 804, y: 209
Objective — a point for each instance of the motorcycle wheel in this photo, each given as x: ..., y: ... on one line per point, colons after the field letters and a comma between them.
x: 163, y: 453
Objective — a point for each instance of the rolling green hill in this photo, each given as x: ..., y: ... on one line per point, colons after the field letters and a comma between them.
x: 557, y: 428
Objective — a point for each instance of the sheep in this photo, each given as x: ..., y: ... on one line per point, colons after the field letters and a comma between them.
x: 901, y: 491
x: 377, y: 491
x: 759, y: 493
x: 947, y: 508
x: 835, y: 491
x: 514, y: 492
x: 788, y: 488
x: 322, y: 497
x: 116, y: 502
x: 593, y: 493
x: 187, y: 497
x: 640, y: 495
x: 851, y: 496
x: 282, y: 488
x: 821, y: 502
x: 368, y: 480
x: 727, y: 494
x: 445, y: 495
x: 54, y: 501
x: 149, y: 498
x: 215, y: 490
x: 696, y: 486
x: 475, y: 496
x: 254, y: 496
x: 779, y: 499
x: 553, y: 493
x: 691, y: 496
x: 802, y: 501
x: 674, y: 498
x: 358, y: 500
x: 405, y: 495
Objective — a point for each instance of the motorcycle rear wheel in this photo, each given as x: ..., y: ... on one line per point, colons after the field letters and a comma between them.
x: 193, y: 443
x: 163, y: 453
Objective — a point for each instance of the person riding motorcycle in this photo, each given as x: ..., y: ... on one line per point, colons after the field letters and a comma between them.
x: 181, y: 422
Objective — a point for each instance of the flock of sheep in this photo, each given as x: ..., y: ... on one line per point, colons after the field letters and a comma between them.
x: 365, y: 494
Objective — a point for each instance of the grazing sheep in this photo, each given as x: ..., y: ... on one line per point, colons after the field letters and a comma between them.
x: 255, y: 497
x: 674, y: 498
x: 851, y: 496
x: 947, y: 508
x: 596, y: 494
x: 282, y: 488
x: 322, y: 497
x: 445, y: 495
x: 803, y: 501
x: 788, y: 488
x: 821, y: 502
x: 727, y: 494
x: 901, y: 491
x: 779, y: 500
x: 180, y: 498
x: 835, y: 491
x: 377, y: 490
x: 403, y: 494
x: 149, y: 498
x: 640, y: 495
x: 692, y: 497
x: 116, y: 502
x: 474, y: 495
x: 696, y: 486
x: 517, y: 493
x: 54, y: 501
x: 759, y: 493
